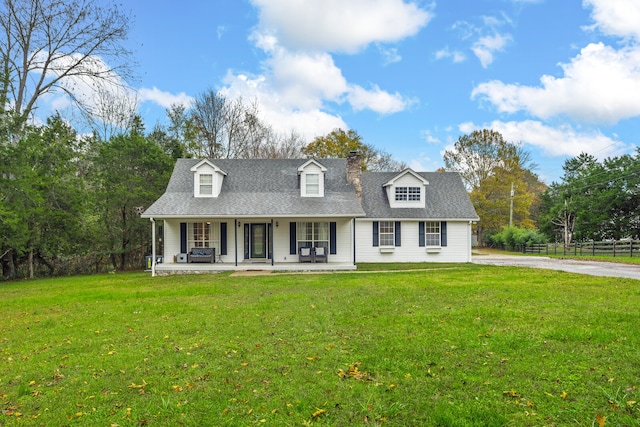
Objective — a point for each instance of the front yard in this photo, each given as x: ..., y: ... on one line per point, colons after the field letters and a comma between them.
x: 449, y: 345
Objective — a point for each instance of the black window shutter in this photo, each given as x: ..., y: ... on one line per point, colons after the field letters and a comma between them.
x: 292, y: 239
x: 223, y: 238
x: 270, y: 240
x: 246, y: 241
x: 397, y: 234
x: 376, y: 237
x: 333, y: 244
x: 443, y: 233
x: 421, y: 234
x: 183, y: 237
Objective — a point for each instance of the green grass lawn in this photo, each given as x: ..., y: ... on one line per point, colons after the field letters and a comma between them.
x: 456, y: 345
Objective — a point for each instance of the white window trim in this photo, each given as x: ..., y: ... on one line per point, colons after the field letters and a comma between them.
x: 210, y: 185
x: 392, y: 234
x: 210, y: 235
x: 432, y: 233
x: 315, y: 240
x: 316, y: 185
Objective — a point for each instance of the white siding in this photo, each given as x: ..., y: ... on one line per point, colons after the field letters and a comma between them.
x: 171, y: 239
x: 458, y: 247
x: 344, y: 238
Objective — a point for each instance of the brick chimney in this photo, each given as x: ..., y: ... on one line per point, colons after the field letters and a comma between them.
x: 354, y: 172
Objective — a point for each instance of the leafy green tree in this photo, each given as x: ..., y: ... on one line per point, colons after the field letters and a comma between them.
x: 595, y: 200
x: 340, y: 143
x: 130, y: 171
x: 477, y: 156
x: 337, y: 144
x: 491, y: 168
x: 44, y: 198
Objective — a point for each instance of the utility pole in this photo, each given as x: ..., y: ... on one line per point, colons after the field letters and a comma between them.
x: 511, y: 208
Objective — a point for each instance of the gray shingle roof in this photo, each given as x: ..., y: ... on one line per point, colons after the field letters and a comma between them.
x: 269, y: 188
x: 258, y: 187
x: 446, y: 198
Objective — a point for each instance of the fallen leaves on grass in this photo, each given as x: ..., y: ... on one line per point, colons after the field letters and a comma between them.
x: 510, y: 393
x: 318, y: 412
x: 355, y: 373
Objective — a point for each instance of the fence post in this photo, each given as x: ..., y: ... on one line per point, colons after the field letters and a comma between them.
x: 614, y: 248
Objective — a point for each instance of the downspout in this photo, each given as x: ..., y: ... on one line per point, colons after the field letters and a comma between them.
x: 354, y: 241
x: 153, y: 247
x: 271, y: 245
x: 470, y: 243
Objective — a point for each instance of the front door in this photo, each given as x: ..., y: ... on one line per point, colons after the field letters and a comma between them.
x: 258, y: 240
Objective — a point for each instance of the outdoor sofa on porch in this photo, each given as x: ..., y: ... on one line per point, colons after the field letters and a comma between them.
x: 309, y: 254
x: 202, y: 255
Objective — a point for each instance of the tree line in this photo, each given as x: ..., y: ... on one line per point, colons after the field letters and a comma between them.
x: 70, y: 203
x: 594, y: 200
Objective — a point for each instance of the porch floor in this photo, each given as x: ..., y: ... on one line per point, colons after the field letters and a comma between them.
x: 200, y: 268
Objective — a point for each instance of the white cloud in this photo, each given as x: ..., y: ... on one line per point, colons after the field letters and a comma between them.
x: 563, y: 140
x: 98, y: 89
x: 619, y: 18
x: 456, y: 56
x: 304, y: 80
x: 428, y: 137
x: 486, y: 38
x: 164, y: 99
x: 282, y: 116
x: 600, y: 85
x: 221, y: 30
x: 300, y: 80
x: 377, y: 100
x: 485, y: 47
x: 338, y: 25
x: 390, y: 54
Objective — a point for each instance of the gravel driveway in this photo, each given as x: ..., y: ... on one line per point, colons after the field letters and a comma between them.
x: 593, y: 268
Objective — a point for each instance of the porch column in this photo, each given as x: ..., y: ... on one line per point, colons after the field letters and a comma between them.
x: 153, y: 247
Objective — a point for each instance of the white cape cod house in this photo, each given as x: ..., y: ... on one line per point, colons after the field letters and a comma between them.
x: 241, y: 214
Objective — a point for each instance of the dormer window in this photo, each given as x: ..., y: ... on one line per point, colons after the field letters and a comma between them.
x: 206, y: 184
x: 312, y: 179
x: 313, y: 184
x: 207, y: 179
x: 407, y: 194
x: 407, y: 190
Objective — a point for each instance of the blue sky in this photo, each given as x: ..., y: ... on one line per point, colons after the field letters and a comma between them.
x: 559, y: 76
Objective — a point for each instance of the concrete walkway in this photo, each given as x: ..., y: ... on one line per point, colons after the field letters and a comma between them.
x: 593, y: 268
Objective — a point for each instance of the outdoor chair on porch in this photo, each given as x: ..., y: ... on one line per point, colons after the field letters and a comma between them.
x: 320, y: 254
x: 305, y: 254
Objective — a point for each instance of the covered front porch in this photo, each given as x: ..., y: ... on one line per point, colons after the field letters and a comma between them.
x: 208, y: 245
x: 219, y: 267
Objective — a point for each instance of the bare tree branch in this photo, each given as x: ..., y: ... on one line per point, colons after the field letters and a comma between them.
x: 46, y: 45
